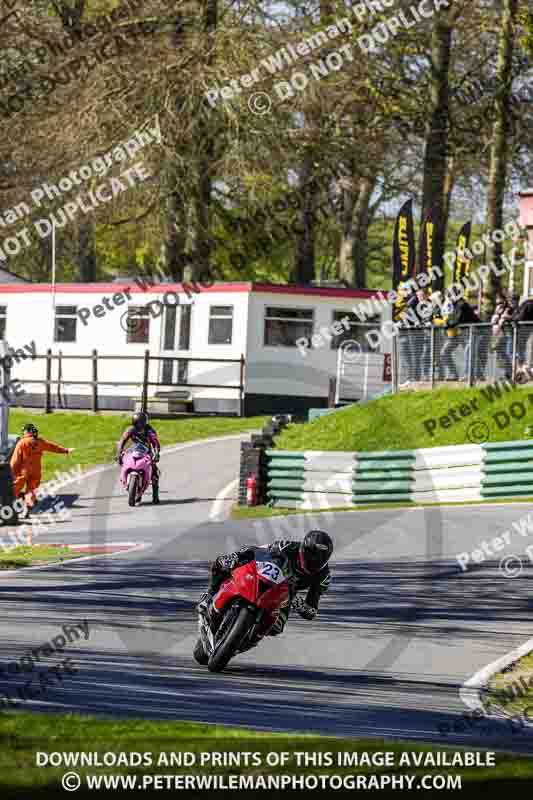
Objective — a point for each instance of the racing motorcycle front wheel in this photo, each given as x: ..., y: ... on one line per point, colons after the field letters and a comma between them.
x: 231, y: 633
x: 132, y: 488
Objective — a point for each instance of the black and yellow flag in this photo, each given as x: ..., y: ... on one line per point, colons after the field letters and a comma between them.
x: 463, y: 261
x: 403, y: 246
x: 403, y: 250
x: 425, y: 248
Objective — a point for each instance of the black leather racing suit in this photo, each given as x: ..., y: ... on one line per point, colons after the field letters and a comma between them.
x: 316, y: 584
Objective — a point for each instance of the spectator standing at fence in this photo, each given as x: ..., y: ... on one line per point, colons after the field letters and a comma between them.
x: 407, y: 361
x: 524, y: 314
x: 420, y: 306
x: 482, y: 338
x: 454, y: 313
x: 502, y: 333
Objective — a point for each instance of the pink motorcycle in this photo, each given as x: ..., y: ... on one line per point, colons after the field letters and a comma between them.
x: 137, y: 469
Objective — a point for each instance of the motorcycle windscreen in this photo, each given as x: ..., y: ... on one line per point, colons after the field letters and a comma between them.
x: 138, y: 451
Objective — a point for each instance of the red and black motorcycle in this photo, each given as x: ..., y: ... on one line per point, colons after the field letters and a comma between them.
x: 248, y: 604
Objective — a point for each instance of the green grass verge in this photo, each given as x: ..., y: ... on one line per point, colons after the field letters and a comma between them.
x: 254, y: 512
x: 23, y: 734
x: 23, y: 556
x: 396, y: 422
x: 95, y: 435
x: 511, y: 690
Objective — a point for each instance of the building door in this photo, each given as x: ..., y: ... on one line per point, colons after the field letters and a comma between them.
x: 176, y: 342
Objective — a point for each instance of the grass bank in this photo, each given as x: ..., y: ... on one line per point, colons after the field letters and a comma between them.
x: 95, y: 435
x: 23, y: 734
x: 410, y: 420
x: 511, y: 690
x: 23, y: 556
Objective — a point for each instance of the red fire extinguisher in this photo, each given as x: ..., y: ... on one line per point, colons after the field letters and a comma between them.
x: 251, y: 490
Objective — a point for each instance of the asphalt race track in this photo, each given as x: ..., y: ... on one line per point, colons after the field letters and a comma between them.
x: 400, y: 631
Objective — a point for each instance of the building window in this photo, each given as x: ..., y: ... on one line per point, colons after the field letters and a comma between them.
x: 283, y: 326
x: 220, y: 324
x: 137, y: 325
x: 3, y: 320
x: 65, y: 324
x: 185, y: 328
x: 169, y: 334
x: 356, y: 332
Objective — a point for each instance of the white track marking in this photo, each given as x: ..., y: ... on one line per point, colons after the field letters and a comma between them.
x: 218, y: 513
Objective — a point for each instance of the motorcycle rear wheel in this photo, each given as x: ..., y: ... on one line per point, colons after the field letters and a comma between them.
x: 232, y: 640
x: 132, y: 489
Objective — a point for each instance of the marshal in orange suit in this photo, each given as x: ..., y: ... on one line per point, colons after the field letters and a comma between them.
x: 26, y: 461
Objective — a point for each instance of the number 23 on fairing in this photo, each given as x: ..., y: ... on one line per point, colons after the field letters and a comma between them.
x: 270, y: 571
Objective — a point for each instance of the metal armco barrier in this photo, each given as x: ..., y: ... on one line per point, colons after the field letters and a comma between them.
x: 323, y: 480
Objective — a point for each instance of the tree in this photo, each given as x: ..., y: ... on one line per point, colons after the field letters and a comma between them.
x: 501, y: 131
x: 436, y: 148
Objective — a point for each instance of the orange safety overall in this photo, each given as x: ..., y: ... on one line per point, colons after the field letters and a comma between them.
x: 26, y: 463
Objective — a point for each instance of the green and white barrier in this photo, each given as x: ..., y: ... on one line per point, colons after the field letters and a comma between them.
x: 447, y: 474
x: 507, y: 469
x: 383, y: 476
x: 310, y: 479
x: 320, y: 479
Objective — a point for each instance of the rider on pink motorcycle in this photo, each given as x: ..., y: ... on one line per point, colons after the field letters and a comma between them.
x: 141, y: 431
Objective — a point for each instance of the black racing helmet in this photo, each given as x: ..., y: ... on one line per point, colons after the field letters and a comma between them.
x: 139, y: 420
x: 315, y: 551
x: 30, y: 428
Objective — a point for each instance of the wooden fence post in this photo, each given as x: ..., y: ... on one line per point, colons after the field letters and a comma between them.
x: 48, y: 387
x: 144, y: 401
x: 95, y: 381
